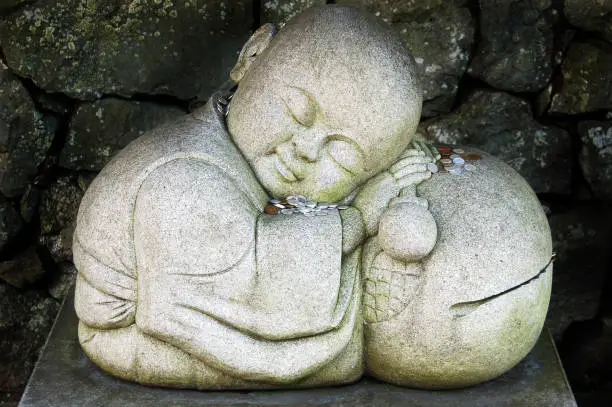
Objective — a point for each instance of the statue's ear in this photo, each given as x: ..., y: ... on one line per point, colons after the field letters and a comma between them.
x: 253, y: 47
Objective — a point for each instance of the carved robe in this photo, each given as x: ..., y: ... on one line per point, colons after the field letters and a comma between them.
x: 183, y: 281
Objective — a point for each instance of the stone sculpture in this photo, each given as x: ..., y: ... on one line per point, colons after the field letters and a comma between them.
x: 201, y: 264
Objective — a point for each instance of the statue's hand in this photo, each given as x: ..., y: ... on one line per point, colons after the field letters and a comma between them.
x: 400, y: 180
x: 424, y: 146
x: 410, y: 169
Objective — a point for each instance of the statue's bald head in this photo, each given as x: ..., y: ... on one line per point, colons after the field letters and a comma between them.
x: 344, y: 67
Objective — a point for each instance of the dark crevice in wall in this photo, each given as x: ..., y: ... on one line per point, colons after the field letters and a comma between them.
x: 27, y: 237
x: 67, y: 106
x: 605, y: 302
x: 52, y: 269
x: 467, y: 86
x: 6, y: 11
x: 257, y: 6
x: 166, y: 100
x: 62, y: 102
x: 45, y: 174
x: 580, y: 188
x: 581, y: 35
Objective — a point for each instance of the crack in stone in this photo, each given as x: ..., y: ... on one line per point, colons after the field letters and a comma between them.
x: 462, y: 309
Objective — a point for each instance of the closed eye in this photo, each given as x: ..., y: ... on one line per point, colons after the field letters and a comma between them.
x: 345, y: 153
x: 301, y: 106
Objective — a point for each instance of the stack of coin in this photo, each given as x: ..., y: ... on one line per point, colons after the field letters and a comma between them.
x: 454, y: 160
x: 445, y: 151
x: 432, y: 167
x: 447, y: 162
x: 223, y: 104
x: 298, y: 204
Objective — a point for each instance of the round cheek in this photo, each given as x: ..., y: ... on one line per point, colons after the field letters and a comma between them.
x: 266, y: 173
x: 257, y: 127
x: 330, y: 182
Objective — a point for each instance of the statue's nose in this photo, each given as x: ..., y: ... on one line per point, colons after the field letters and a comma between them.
x: 308, y: 144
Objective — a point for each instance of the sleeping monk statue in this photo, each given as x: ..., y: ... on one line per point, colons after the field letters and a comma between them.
x: 295, y: 232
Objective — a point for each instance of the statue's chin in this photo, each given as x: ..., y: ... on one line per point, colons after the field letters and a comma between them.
x: 280, y: 188
x: 317, y: 196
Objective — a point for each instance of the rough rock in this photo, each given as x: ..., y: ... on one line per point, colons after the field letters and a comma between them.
x: 59, y: 245
x: 99, y: 129
x: 584, y: 88
x: 63, y: 280
x: 503, y: 125
x: 581, y: 239
x: 590, y: 15
x: 441, y: 41
x: 398, y: 10
x: 10, y: 222
x: 439, y: 35
x: 23, y: 270
x: 29, y: 202
x: 596, y: 156
x: 516, y: 46
x: 25, y: 320
x: 25, y: 135
x: 87, y: 48
x: 278, y: 12
x: 59, y: 204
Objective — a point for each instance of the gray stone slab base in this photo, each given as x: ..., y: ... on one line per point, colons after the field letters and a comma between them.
x: 64, y: 376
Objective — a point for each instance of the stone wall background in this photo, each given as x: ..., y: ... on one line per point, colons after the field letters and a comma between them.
x: 527, y: 80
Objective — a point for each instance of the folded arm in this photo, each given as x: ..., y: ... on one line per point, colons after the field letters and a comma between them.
x: 216, y: 281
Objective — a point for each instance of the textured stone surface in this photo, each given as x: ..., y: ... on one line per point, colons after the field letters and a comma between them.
x: 503, y: 125
x: 483, y: 329
x: 581, y: 239
x: 278, y: 12
x: 25, y: 135
x: 326, y: 109
x: 99, y: 129
x: 23, y: 270
x: 596, y: 156
x: 59, y: 204
x: 439, y: 35
x: 25, y: 320
x: 440, y: 40
x: 398, y: 10
x: 585, y: 88
x: 590, y: 15
x: 188, y: 188
x: 59, y: 245
x: 516, y: 45
x: 88, y: 48
x: 63, y: 364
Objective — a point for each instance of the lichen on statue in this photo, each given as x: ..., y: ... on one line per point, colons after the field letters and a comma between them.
x: 184, y: 281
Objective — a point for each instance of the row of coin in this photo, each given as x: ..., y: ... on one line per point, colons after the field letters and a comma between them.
x: 295, y: 204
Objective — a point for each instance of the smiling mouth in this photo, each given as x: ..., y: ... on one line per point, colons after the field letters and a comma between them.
x: 284, y: 170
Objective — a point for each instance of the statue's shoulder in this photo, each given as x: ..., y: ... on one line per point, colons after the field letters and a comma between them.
x: 200, y: 135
